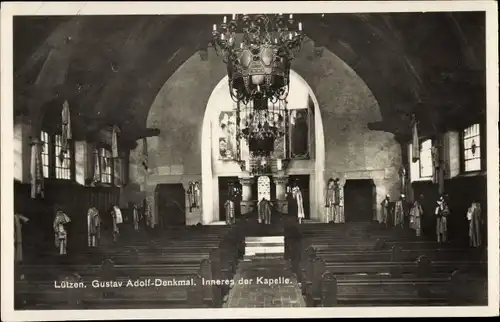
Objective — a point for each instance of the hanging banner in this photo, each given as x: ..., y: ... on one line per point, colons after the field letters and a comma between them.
x: 37, y: 183
x: 415, y: 153
x: 145, y: 157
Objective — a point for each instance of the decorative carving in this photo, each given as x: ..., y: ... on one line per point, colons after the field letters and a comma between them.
x: 280, y: 180
x: 246, y: 181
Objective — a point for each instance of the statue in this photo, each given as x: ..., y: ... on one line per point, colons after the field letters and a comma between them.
x: 386, y: 203
x: 297, y: 196
x: 116, y: 214
x: 61, y: 235
x: 18, y: 237
x: 93, y: 226
x: 442, y: 212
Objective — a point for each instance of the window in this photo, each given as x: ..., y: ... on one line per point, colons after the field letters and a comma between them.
x: 471, y: 148
x: 106, y: 166
x: 426, y: 159
x: 62, y: 162
x: 54, y: 164
x: 45, y: 153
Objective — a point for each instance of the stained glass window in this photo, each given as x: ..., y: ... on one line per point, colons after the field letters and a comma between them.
x: 471, y: 152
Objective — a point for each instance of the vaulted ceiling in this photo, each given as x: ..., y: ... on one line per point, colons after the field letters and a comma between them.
x: 110, y: 68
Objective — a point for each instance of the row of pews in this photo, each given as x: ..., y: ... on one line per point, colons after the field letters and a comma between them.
x: 361, y: 264
x: 177, y: 269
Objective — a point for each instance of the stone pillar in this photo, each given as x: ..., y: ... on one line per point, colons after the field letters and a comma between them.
x: 247, y: 204
x: 281, y: 200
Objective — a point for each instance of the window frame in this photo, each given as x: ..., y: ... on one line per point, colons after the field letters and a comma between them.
x: 111, y: 175
x: 428, y: 177
x: 52, y: 158
x: 482, y: 149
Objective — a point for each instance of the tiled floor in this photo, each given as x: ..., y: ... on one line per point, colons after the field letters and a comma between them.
x: 252, y: 286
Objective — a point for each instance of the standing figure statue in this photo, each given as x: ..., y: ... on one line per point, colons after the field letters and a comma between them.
x: 338, y: 202
x: 18, y: 236
x: 264, y: 209
x: 136, y: 218
x: 148, y: 214
x: 117, y: 217
x: 475, y: 224
x: 386, y: 211
x: 297, y: 196
x: 416, y: 213
x: 61, y: 235
x: 330, y: 200
x: 442, y: 212
x: 94, y: 227
x: 401, y: 212
x: 229, y: 207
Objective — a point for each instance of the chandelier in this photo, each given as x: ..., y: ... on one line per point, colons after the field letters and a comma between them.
x: 262, y: 123
x: 258, y: 50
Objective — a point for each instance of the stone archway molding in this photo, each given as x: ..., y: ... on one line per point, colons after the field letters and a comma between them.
x: 210, y: 184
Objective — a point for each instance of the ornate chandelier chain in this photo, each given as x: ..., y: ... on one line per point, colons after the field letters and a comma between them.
x: 257, y: 30
x: 257, y: 50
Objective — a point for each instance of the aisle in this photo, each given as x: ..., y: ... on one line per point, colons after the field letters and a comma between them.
x: 256, y: 291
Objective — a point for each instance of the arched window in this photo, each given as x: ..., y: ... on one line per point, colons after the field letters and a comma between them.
x: 471, y: 148
x: 426, y: 159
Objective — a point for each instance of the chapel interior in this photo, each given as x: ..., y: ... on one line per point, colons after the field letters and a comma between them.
x: 319, y: 160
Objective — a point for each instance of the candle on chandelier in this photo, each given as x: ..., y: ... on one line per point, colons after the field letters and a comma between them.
x: 278, y: 164
x: 291, y: 16
x: 258, y: 88
x: 225, y: 19
x: 222, y: 36
x: 300, y: 26
x: 275, y: 40
x: 234, y: 16
x: 290, y: 36
x: 241, y: 45
x: 215, y: 27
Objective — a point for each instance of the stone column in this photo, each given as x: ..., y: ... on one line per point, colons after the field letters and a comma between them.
x: 247, y: 204
x: 281, y: 200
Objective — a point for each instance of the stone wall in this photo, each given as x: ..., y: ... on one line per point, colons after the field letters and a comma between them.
x: 345, y: 103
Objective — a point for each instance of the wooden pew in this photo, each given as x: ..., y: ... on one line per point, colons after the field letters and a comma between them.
x: 457, y: 289
x: 422, y: 268
x: 165, y: 258
x: 42, y: 293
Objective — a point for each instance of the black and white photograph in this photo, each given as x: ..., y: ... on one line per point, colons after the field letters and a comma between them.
x: 258, y: 159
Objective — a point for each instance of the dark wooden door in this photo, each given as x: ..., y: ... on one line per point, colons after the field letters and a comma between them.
x: 225, y: 186
x: 171, y: 201
x: 359, y: 201
x: 303, y: 183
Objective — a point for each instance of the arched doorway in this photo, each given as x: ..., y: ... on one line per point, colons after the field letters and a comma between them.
x: 215, y: 165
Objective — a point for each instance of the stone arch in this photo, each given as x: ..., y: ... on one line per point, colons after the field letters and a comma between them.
x: 347, y: 105
x: 315, y: 169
